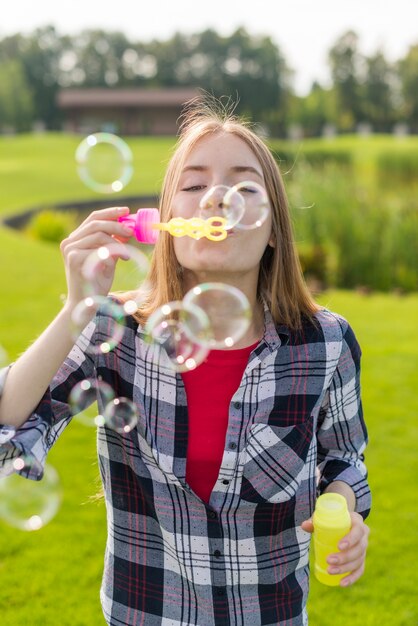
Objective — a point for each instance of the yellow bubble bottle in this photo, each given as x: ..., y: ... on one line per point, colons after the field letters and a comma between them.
x: 332, y: 521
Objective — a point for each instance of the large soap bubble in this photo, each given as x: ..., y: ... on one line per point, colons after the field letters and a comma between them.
x: 179, y: 332
x: 28, y: 504
x: 121, y: 415
x: 129, y: 265
x: 104, y: 162
x: 216, y: 202
x: 86, y: 309
x: 256, y: 204
x: 83, y: 400
x: 227, y: 309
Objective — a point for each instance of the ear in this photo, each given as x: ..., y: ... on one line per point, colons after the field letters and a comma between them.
x: 272, y: 241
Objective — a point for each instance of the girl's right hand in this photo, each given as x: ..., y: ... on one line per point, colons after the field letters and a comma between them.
x: 100, y: 228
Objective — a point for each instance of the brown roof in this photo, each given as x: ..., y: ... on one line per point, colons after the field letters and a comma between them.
x: 67, y: 98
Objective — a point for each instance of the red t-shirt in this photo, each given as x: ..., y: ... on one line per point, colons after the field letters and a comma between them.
x: 209, y: 389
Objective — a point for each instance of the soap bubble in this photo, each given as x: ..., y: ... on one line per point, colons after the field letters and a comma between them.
x: 104, y: 162
x: 121, y: 415
x: 257, y: 206
x: 215, y: 202
x: 227, y: 309
x: 29, y: 504
x: 180, y: 333
x: 83, y: 400
x: 86, y: 310
x: 130, y: 270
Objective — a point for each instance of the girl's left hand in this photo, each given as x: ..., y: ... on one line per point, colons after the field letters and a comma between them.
x: 353, y: 550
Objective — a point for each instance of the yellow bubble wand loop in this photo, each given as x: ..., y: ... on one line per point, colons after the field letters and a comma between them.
x: 213, y: 228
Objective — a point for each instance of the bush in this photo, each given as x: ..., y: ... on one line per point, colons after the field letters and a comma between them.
x: 397, y: 167
x: 52, y: 226
x: 348, y: 236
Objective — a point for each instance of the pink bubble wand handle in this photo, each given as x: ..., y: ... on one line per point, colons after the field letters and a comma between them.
x: 145, y: 226
x: 142, y: 222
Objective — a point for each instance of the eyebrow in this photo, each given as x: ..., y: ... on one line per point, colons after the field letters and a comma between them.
x: 237, y: 169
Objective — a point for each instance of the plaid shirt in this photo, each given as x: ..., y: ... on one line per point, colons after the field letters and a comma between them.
x: 295, y: 425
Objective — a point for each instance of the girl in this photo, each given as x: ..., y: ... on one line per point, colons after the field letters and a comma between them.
x: 209, y: 498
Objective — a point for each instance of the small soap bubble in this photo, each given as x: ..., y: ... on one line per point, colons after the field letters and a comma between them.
x: 221, y: 201
x: 227, y: 309
x: 181, y: 333
x: 257, y: 207
x: 104, y: 162
x: 121, y: 415
x: 128, y: 264
x: 86, y: 310
x: 29, y: 504
x: 83, y: 401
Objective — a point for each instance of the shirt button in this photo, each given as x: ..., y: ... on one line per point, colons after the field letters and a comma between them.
x: 220, y: 591
x: 212, y: 514
x: 232, y: 445
x: 237, y: 405
x: 217, y: 553
x: 225, y: 482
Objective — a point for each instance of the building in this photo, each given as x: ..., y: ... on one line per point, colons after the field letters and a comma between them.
x: 123, y: 111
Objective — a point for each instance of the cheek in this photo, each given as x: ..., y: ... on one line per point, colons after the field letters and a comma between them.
x: 180, y: 245
x: 185, y: 206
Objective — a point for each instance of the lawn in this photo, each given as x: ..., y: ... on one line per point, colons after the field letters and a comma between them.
x: 51, y: 577
x: 40, y: 170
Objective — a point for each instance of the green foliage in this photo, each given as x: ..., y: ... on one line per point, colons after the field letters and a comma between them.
x: 395, y: 168
x: 16, y: 100
x: 53, y: 226
x: 350, y: 236
x: 249, y: 68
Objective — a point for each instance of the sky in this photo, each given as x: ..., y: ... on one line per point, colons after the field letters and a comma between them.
x: 304, y: 30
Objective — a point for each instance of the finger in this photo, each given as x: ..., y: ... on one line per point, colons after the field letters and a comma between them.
x: 349, y: 566
x: 348, y: 556
x: 355, y: 575
x: 88, y: 242
x: 307, y: 526
x: 104, y: 226
x: 110, y: 213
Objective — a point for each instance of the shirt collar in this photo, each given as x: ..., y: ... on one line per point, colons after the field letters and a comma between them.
x: 274, y: 335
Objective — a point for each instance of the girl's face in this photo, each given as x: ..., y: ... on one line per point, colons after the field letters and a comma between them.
x: 219, y: 159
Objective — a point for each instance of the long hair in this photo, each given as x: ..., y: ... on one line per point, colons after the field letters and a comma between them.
x: 281, y: 284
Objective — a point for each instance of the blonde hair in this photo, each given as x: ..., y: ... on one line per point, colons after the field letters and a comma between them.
x: 281, y: 284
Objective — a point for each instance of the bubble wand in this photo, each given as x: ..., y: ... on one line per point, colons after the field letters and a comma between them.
x: 146, y: 226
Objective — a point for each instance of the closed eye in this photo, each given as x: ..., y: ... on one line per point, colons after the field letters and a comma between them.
x: 194, y: 188
x: 248, y: 189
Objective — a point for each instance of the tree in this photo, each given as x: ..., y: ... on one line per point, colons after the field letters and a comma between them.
x: 408, y: 73
x: 314, y: 111
x: 379, y: 93
x: 240, y: 66
x: 16, y: 102
x: 347, y: 71
x: 98, y: 59
x: 40, y: 54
